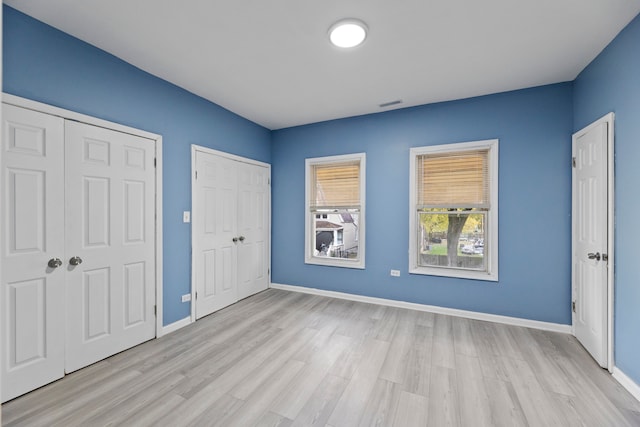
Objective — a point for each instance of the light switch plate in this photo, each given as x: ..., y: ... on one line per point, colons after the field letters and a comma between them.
x: 186, y: 297
x: 186, y: 216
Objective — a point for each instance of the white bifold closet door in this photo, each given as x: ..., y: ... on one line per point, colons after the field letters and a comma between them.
x: 230, y: 234
x: 78, y: 263
x: 32, y: 291
x: 110, y: 198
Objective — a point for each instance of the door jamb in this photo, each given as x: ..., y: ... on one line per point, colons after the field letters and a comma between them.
x: 610, y: 120
x: 72, y: 115
x: 194, y: 149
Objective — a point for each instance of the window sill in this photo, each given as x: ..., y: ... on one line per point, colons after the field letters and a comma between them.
x: 455, y: 273
x: 336, y: 262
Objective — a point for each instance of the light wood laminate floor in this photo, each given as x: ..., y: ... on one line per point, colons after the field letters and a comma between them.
x: 290, y: 359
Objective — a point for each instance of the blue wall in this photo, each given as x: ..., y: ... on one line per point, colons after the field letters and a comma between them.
x: 612, y: 83
x: 534, y: 127
x: 47, y: 65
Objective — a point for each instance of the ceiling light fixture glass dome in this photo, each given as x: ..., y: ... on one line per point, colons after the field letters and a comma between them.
x: 348, y: 33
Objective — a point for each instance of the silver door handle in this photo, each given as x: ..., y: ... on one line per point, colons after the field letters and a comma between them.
x: 595, y: 256
x: 54, y: 262
x: 241, y: 238
x: 235, y: 240
x: 76, y: 260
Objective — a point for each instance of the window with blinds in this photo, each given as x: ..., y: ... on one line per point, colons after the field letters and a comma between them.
x: 454, y: 210
x: 453, y: 180
x: 335, y: 210
x: 335, y: 186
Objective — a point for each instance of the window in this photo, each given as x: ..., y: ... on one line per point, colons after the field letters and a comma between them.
x: 335, y: 210
x: 454, y: 210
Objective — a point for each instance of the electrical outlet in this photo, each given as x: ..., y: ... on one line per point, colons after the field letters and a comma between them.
x: 186, y: 216
x: 186, y: 297
x: 395, y: 273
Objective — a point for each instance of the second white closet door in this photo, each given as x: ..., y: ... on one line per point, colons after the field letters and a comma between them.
x: 110, y: 196
x: 230, y: 231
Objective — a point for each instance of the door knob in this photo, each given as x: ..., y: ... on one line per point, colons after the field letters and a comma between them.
x: 54, y: 262
x: 235, y: 240
x: 241, y: 238
x: 595, y: 256
x: 76, y: 260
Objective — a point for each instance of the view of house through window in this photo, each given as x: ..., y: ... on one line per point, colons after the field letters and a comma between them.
x: 335, y: 188
x: 336, y: 236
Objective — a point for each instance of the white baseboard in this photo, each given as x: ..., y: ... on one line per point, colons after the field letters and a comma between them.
x: 627, y: 383
x: 496, y: 318
x: 175, y: 326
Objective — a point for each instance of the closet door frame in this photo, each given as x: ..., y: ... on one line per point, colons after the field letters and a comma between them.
x: 194, y: 149
x: 71, y: 115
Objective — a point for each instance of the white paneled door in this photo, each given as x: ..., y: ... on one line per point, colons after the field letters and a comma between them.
x: 590, y: 258
x: 253, y: 229
x: 32, y: 285
x: 78, y: 246
x: 214, y: 229
x: 110, y: 242
x: 230, y: 234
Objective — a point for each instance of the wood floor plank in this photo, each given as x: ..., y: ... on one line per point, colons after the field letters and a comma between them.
x: 412, y: 411
x: 382, y: 404
x: 281, y: 358
x: 443, y: 398
x: 291, y: 401
x: 353, y: 401
x: 322, y: 402
x: 259, y: 402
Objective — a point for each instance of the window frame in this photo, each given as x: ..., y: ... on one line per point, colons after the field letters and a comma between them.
x: 310, y: 217
x: 491, y: 236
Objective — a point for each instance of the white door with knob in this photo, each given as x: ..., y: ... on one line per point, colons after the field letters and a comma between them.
x: 590, y: 239
x: 32, y: 286
x: 230, y: 234
x: 109, y: 242
x: 78, y: 247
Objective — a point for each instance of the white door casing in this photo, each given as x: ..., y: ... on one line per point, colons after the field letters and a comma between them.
x: 110, y: 191
x: 590, y: 248
x: 230, y: 229
x: 32, y: 293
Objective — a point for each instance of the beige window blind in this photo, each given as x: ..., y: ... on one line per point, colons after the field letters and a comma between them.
x: 335, y: 185
x: 453, y: 180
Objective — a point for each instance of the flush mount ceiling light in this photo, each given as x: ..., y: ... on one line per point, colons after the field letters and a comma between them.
x: 348, y: 33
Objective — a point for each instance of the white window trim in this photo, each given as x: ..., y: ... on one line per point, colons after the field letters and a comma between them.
x: 308, y: 238
x: 492, y: 216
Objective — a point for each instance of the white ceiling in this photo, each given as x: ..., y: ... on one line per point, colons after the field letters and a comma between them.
x: 271, y: 62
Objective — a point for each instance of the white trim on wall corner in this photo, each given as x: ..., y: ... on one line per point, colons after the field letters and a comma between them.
x: 626, y: 382
x: 496, y: 318
x: 175, y: 326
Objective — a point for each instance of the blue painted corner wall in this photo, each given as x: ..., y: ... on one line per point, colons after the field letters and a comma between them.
x: 612, y: 83
x: 534, y: 129
x: 47, y: 65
